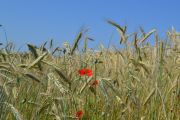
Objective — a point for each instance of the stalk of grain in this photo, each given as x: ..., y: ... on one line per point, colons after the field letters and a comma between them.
x: 122, y: 35
x: 37, y: 60
x: 105, y: 93
x: 32, y: 77
x: 76, y: 42
x: 34, y: 52
x: 50, y: 45
x: 112, y: 87
x: 55, y: 50
x: 142, y: 31
x: 149, y: 96
x: 85, y: 84
x: 14, y: 110
x: 115, y: 25
x: 152, y: 31
x: 53, y: 78
x: 85, y: 42
x: 63, y: 77
x: 86, y: 30
x: 68, y: 49
x: 42, y: 48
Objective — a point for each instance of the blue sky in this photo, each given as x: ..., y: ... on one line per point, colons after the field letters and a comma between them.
x: 37, y: 21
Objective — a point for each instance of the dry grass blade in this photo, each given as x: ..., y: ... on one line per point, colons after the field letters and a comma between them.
x: 14, y: 110
x: 32, y: 77
x: 105, y: 93
x: 37, y: 60
x: 85, y: 85
x: 149, y: 96
x: 147, y: 36
x: 76, y: 42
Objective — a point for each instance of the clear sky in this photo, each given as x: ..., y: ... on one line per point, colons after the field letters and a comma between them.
x: 37, y: 21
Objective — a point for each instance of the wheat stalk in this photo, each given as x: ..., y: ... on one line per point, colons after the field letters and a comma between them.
x: 76, y: 42
x: 50, y: 45
x: 14, y: 110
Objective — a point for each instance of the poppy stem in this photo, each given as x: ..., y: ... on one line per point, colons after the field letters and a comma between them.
x: 95, y: 89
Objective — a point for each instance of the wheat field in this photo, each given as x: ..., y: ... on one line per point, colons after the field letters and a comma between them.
x: 138, y: 82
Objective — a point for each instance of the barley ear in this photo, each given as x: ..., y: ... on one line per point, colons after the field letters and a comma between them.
x: 33, y: 50
x: 168, y: 33
x: 37, y: 60
x: 142, y: 31
x: 122, y: 35
x: 112, y: 87
x: 55, y: 50
x: 105, y: 93
x: 86, y: 30
x: 152, y: 31
x: 50, y: 45
x: 42, y: 48
x: 63, y: 77
x: 115, y: 25
x: 149, y: 96
x: 86, y: 84
x: 76, y: 42
x: 32, y: 77
x: 85, y: 43
x: 16, y: 113
x: 121, y: 102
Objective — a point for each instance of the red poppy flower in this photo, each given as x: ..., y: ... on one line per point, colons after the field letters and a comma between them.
x: 78, y: 115
x: 87, y: 72
x: 94, y: 83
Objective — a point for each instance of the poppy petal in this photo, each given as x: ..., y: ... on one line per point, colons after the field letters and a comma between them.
x: 94, y: 83
x: 82, y: 72
x: 87, y: 72
x: 80, y: 112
